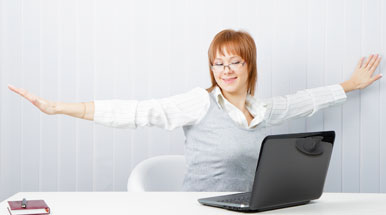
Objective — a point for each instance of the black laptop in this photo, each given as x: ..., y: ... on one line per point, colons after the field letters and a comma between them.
x: 291, y: 170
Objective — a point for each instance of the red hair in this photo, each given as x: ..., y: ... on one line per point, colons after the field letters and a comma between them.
x: 238, y: 43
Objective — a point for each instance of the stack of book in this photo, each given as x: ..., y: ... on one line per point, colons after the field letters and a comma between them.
x: 28, y: 207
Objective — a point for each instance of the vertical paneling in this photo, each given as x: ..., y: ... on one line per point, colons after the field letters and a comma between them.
x: 351, y: 109
x: 264, y: 42
x: 30, y: 127
x: 49, y: 89
x: 122, y: 89
x: 198, y: 75
x: 382, y: 87
x: 2, y: 83
x: 281, y: 50
x: 11, y: 109
x: 369, y: 124
x: 264, y: 32
x: 104, y: 82
x: 188, y: 59
x: 178, y: 58
x: 139, y: 70
x: 67, y: 92
x: 159, y: 69
x: 85, y: 70
x: 298, y: 48
x: 332, y: 75
x: 131, y: 62
x: 212, y: 13
x: 227, y: 11
x: 75, y: 51
x: 116, y: 45
x: 201, y: 63
x: 316, y: 28
x: 196, y: 63
x: 245, y: 23
x: 123, y: 79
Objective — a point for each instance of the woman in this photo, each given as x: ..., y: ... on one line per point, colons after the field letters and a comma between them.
x: 224, y: 124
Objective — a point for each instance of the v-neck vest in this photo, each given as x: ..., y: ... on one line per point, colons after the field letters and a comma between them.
x: 220, y: 154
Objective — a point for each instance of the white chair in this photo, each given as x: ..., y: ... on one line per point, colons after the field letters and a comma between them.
x: 161, y: 173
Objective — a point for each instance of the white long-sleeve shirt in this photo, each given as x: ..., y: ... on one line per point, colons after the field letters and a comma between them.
x: 190, y: 107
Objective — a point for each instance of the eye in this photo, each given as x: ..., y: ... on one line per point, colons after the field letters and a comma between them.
x: 218, y: 64
x: 236, y: 62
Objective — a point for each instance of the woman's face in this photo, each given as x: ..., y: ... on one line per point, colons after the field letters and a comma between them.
x: 232, y: 79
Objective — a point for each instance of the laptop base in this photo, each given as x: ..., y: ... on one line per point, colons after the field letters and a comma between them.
x: 252, y: 210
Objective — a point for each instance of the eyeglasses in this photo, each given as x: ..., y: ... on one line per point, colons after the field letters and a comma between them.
x: 232, y: 66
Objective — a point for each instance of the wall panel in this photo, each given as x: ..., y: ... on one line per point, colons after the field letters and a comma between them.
x: 85, y: 50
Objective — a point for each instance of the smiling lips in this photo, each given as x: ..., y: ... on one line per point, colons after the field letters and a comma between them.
x: 229, y: 80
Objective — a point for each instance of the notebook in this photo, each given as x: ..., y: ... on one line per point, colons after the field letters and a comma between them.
x: 32, y: 207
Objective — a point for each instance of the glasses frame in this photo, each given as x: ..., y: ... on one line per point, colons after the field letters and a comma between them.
x: 212, y: 66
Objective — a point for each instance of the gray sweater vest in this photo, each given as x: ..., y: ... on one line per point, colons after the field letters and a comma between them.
x: 221, y: 155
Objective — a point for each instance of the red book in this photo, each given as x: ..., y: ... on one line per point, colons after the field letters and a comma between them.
x: 35, y: 207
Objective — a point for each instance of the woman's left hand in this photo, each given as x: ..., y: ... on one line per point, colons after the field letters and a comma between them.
x: 363, y: 74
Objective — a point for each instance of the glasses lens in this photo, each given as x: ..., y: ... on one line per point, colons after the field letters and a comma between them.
x: 232, y: 66
x: 218, y: 68
x: 235, y: 66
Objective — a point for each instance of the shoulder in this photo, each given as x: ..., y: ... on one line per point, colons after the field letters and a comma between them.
x: 196, y: 96
x: 198, y: 92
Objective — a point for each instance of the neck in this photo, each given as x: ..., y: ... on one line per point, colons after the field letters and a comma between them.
x: 237, y: 99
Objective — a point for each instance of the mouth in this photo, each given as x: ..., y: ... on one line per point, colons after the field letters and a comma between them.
x: 229, y: 80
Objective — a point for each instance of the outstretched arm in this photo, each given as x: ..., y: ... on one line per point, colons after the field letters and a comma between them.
x: 167, y: 113
x: 363, y: 74
x: 307, y: 102
x: 301, y: 104
x: 82, y: 110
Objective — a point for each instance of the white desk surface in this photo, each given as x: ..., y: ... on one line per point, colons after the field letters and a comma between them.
x: 184, y: 203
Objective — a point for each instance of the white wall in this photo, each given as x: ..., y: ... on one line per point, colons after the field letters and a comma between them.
x: 81, y: 50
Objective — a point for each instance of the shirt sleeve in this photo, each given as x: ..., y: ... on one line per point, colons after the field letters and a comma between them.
x: 303, y: 103
x: 167, y: 113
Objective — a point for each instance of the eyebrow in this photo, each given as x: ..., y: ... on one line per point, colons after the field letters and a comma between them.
x: 229, y: 58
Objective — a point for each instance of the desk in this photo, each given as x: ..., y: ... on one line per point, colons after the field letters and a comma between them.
x: 184, y: 203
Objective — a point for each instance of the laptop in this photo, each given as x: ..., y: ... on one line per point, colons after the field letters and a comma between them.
x: 291, y: 170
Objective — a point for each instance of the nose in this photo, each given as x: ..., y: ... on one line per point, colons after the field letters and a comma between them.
x: 227, y: 69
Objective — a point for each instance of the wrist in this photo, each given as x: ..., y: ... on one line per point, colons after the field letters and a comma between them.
x: 58, y: 108
x: 348, y: 86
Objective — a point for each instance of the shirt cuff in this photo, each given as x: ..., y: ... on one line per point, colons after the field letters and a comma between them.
x: 338, y: 93
x: 115, y: 113
x: 324, y: 97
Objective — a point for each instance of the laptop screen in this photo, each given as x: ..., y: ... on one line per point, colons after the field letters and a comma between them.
x: 291, y: 168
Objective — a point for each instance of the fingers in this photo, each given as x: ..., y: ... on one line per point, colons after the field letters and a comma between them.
x: 368, y: 61
x: 375, y: 65
x: 14, y: 89
x: 30, y: 97
x: 372, y: 61
x: 360, y: 62
x: 377, y: 77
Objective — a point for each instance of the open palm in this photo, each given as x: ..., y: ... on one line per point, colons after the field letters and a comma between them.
x: 363, y: 74
x: 44, y: 105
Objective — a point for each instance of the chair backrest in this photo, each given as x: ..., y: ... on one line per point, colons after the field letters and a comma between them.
x: 161, y: 173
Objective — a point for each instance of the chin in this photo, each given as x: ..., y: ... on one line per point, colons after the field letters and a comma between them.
x: 229, y: 89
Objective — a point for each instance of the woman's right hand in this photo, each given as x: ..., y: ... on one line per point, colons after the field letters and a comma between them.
x: 45, y: 106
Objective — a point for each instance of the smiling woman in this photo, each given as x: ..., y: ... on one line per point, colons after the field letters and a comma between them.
x: 238, y: 51
x: 223, y: 124
x: 232, y: 58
